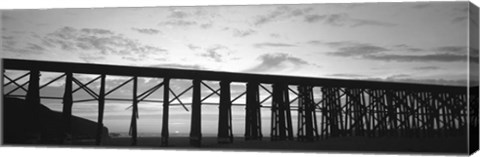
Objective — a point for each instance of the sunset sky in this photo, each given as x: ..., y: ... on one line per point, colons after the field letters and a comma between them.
x: 403, y: 42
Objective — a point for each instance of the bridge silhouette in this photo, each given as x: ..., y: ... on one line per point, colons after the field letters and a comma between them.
x: 344, y: 107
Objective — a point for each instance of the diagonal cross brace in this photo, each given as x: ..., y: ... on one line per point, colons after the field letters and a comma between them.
x: 18, y: 78
x: 177, y: 97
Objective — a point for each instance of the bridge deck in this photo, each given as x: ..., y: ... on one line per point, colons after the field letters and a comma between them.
x: 16, y: 64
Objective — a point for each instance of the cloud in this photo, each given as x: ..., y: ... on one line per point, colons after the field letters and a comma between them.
x: 404, y: 47
x: 11, y: 44
x: 346, y: 75
x: 178, y: 14
x: 243, y: 33
x: 193, y: 47
x: 96, y: 31
x: 277, y: 62
x: 92, y: 58
x: 281, y: 13
x: 275, y: 35
x: 426, y: 68
x: 178, y: 66
x: 206, y: 25
x: 428, y: 81
x: 404, y: 78
x: 343, y: 19
x: 442, y: 57
x: 348, y: 49
x: 452, y: 49
x: 397, y: 76
x: 179, y: 23
x: 268, y: 44
x: 372, y: 52
x: 314, y: 18
x: 216, y: 52
x: 35, y: 47
x: 91, y: 44
x: 149, y: 31
x: 104, y: 42
x: 360, y: 22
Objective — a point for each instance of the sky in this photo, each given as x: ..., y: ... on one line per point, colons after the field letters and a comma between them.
x: 421, y: 42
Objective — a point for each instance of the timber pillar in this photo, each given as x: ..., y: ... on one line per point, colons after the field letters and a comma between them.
x: 33, y: 101
x: 101, y: 108
x: 307, y: 124
x: 67, y: 108
x: 281, y: 118
x: 195, y: 128
x: 166, y: 104
x: 253, y: 125
x: 225, y: 134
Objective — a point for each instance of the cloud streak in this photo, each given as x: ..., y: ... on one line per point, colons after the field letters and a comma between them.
x: 357, y: 49
x: 243, y: 33
x: 269, y: 44
x: 277, y: 62
x: 404, y: 78
x: 343, y: 19
x: 280, y: 13
x: 216, y: 52
x: 10, y: 44
x: 425, y: 68
x: 149, y: 31
x: 178, y: 23
x: 178, y: 66
x: 103, y: 41
x: 372, y: 52
x: 89, y: 44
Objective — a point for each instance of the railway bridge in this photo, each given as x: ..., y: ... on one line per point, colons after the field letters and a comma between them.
x: 326, y: 108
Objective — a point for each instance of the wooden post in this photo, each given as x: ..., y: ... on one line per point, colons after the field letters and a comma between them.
x: 252, y: 116
x: 101, y: 108
x: 133, y: 127
x: 281, y: 117
x: 288, y: 115
x: 166, y: 101
x: 348, y: 109
x: 278, y: 114
x: 391, y: 112
x: 359, y: 124
x: 67, y: 108
x: 195, y: 129
x: 323, y: 122
x: 365, y: 112
x: 224, y: 120
x: 338, y: 112
x: 33, y: 102
x: 371, y: 113
x: 306, y: 113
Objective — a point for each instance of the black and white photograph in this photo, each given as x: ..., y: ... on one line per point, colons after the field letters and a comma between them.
x: 358, y: 77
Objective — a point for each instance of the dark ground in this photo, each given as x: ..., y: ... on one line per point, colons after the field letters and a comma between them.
x: 388, y: 145
x: 16, y: 128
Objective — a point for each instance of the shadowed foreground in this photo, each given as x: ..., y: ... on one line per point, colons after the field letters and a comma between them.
x: 19, y: 127
x: 18, y: 131
x: 452, y: 145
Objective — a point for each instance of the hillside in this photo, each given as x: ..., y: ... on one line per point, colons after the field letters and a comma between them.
x: 18, y: 126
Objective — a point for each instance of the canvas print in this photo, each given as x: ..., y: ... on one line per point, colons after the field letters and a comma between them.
x: 397, y: 77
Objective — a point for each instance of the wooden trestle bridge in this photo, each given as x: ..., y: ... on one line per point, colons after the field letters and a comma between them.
x: 345, y: 107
